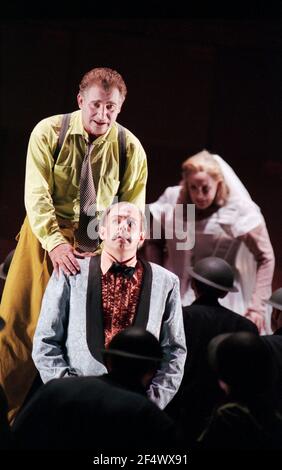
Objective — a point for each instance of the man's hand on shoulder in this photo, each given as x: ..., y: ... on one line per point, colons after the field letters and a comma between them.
x: 63, y: 256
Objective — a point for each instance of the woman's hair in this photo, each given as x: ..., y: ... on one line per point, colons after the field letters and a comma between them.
x: 106, y: 77
x: 204, y: 161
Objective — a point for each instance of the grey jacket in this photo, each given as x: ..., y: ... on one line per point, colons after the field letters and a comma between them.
x: 70, y: 334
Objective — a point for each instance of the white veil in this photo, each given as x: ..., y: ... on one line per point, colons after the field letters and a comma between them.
x: 245, y: 262
x: 236, y: 187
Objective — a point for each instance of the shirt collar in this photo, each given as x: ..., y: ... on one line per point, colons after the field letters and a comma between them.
x: 107, y: 260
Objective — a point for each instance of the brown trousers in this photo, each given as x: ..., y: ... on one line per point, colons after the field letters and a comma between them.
x: 27, y: 278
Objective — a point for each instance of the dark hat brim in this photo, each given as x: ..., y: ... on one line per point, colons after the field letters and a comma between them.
x: 274, y: 304
x: 210, y: 283
x: 3, y: 275
x: 118, y: 352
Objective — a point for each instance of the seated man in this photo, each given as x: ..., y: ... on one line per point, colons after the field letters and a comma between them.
x: 80, y: 314
x: 108, y: 413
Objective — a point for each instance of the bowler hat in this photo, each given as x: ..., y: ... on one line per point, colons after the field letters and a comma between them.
x: 276, y: 299
x: 135, y: 343
x: 214, y: 272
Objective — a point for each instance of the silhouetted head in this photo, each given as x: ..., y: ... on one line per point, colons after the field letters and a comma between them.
x: 133, y: 353
x: 243, y: 362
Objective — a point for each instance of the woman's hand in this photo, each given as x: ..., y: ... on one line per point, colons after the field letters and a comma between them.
x: 257, y: 318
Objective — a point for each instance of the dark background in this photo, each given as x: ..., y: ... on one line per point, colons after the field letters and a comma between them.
x: 198, y: 80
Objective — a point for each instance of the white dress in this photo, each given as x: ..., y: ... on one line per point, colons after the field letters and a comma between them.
x: 219, y: 235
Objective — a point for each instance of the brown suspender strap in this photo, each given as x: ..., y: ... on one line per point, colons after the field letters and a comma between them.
x: 62, y: 135
x: 122, y: 152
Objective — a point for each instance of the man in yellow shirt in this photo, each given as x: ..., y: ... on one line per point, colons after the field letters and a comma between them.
x: 47, y: 239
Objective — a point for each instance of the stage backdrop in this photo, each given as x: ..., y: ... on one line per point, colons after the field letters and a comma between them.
x: 192, y: 84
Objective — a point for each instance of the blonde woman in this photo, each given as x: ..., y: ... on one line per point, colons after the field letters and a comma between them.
x: 228, y: 224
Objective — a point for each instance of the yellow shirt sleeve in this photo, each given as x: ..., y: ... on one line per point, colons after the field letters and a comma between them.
x: 39, y: 183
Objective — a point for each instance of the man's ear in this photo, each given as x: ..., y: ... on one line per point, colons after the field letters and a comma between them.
x: 141, y: 239
x: 142, y: 236
x: 102, y: 233
x: 80, y: 100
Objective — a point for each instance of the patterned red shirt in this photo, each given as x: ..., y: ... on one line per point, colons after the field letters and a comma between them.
x: 120, y: 297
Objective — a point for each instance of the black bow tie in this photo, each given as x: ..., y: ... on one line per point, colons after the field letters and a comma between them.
x: 126, y: 271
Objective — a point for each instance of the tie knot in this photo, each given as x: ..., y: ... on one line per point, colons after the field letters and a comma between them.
x: 126, y: 271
